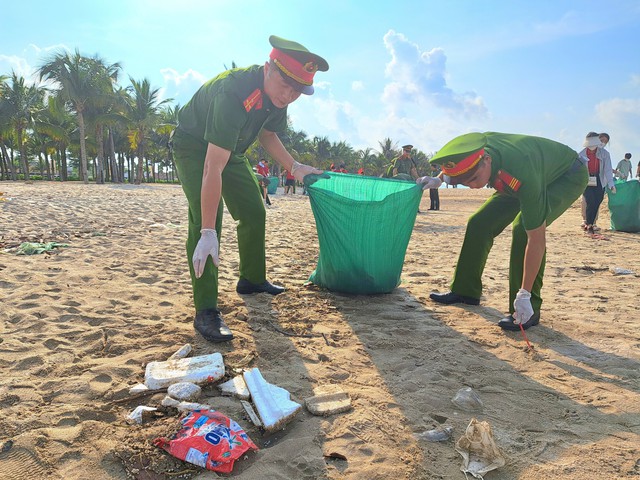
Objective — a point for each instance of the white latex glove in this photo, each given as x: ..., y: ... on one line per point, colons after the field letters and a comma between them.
x: 300, y: 170
x: 522, y: 305
x: 207, y: 245
x: 429, y: 182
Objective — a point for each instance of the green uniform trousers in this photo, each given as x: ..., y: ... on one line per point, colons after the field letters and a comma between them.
x: 492, y: 218
x: 242, y: 195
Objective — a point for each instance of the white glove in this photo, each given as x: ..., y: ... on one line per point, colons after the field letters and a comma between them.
x: 522, y: 305
x: 207, y: 245
x: 300, y: 170
x: 613, y: 189
x: 429, y: 182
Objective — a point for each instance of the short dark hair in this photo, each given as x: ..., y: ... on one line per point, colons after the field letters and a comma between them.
x: 605, y: 135
x: 627, y: 156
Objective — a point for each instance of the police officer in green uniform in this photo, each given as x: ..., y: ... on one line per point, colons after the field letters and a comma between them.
x: 536, y: 181
x: 215, y: 128
x: 403, y: 166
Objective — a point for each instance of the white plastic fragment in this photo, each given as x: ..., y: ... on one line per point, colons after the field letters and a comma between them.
x: 136, y: 415
x: 186, y: 391
x: 468, y: 400
x: 235, y: 387
x: 184, y: 406
x: 251, y: 412
x: 273, y: 403
x: 138, y: 388
x: 202, y: 369
x: 621, y: 271
x: 182, y: 352
x: 328, y: 400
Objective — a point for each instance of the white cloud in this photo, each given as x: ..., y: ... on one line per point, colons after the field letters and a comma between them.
x: 357, y: 85
x: 20, y: 65
x: 621, y: 116
x: 635, y: 80
x: 180, y: 86
x: 419, y: 77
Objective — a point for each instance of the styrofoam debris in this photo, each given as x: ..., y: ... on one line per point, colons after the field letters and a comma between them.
x: 182, y: 352
x: 184, y: 406
x: 137, y: 413
x: 621, y: 271
x: 202, y: 369
x: 186, y: 391
x: 273, y: 403
x: 328, y: 400
x: 138, y: 388
x: 236, y: 387
x: 251, y: 412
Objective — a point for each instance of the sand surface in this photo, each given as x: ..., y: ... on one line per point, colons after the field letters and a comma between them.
x: 78, y: 326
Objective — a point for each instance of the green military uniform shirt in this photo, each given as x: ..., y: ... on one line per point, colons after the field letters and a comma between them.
x: 534, y: 163
x: 231, y: 109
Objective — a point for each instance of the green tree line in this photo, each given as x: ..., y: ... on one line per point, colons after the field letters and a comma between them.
x: 74, y: 121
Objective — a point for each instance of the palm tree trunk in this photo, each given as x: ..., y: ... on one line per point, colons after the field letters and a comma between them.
x: 63, y: 163
x: 115, y: 177
x: 23, y: 155
x: 84, y: 172
x: 100, y: 144
x: 140, y: 163
x: 3, y: 171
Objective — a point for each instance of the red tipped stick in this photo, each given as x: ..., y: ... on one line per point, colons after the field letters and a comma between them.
x: 525, y: 337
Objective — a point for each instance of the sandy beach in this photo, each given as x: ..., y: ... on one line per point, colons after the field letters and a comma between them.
x: 79, y: 324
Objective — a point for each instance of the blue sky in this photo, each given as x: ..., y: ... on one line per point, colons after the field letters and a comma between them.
x: 419, y: 72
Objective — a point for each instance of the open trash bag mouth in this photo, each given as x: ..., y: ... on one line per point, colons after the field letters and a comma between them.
x: 364, y: 225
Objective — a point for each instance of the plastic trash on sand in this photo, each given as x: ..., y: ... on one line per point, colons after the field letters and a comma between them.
x: 208, y: 439
x: 273, y: 403
x: 138, y: 413
x: 202, y: 369
x: 468, y: 400
x: 480, y: 454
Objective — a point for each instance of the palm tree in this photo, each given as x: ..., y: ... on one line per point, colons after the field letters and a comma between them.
x: 56, y: 121
x: 80, y: 79
x: 322, y: 147
x: 143, y: 113
x: 20, y: 103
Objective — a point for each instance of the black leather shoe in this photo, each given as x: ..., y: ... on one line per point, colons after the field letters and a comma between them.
x: 210, y: 325
x: 450, y: 298
x: 245, y: 287
x: 508, y: 324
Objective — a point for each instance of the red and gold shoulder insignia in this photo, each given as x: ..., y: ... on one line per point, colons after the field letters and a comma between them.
x: 505, y: 180
x: 254, y: 100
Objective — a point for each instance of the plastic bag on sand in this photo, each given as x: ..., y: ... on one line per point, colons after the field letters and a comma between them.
x: 480, y: 454
x: 208, y: 439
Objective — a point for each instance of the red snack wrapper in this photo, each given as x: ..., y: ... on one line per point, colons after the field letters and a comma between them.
x: 208, y: 439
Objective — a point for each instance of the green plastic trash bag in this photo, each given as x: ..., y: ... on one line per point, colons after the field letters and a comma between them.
x: 624, y: 206
x: 364, y: 225
x: 273, y: 185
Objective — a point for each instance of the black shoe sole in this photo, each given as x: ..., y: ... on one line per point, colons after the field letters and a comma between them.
x: 458, y: 299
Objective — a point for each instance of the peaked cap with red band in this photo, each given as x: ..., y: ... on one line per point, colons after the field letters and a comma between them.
x: 296, y: 64
x: 460, y: 155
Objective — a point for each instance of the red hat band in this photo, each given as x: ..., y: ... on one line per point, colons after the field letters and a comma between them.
x: 464, y: 165
x: 292, y: 68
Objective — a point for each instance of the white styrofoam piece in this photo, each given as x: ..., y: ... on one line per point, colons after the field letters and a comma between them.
x: 202, y: 369
x: 182, y: 352
x: 139, y: 387
x: 251, y: 412
x: 236, y: 387
x: 184, y: 391
x: 184, y: 406
x: 273, y: 403
x: 328, y: 400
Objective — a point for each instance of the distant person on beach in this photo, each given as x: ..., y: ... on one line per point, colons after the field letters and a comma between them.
x: 289, y: 183
x: 604, y: 141
x: 403, y: 166
x: 434, y: 195
x: 215, y: 128
x: 598, y: 162
x: 263, y: 179
x: 536, y: 181
x: 623, y: 169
